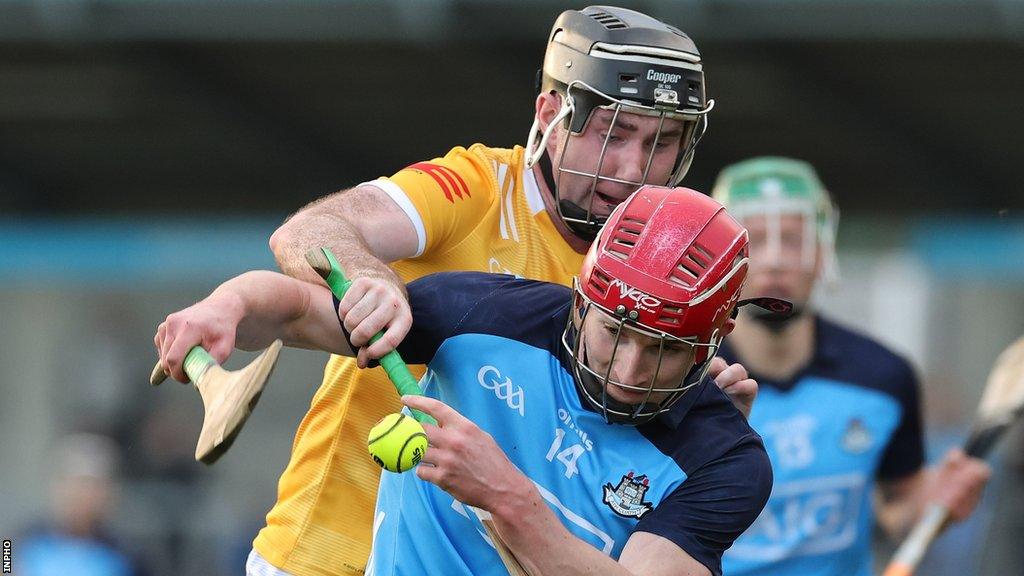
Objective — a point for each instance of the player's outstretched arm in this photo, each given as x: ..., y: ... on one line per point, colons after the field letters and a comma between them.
x: 956, y: 483
x: 467, y: 463
x: 249, y: 312
x: 363, y: 227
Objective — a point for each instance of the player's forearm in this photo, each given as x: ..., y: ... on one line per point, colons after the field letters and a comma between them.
x: 542, y: 544
x: 896, y: 518
x: 898, y: 504
x: 331, y: 223
x: 955, y: 484
x: 272, y: 306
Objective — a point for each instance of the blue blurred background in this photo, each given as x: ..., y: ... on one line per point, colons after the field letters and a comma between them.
x: 148, y: 148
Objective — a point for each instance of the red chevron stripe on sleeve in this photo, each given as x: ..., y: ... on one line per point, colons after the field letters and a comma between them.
x: 460, y: 187
x: 447, y: 179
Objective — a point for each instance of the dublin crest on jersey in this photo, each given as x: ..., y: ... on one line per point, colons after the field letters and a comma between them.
x: 627, y: 499
x: 857, y: 438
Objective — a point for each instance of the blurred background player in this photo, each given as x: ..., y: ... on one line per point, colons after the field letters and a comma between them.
x: 839, y: 413
x: 75, y: 538
x: 621, y: 103
x: 581, y: 419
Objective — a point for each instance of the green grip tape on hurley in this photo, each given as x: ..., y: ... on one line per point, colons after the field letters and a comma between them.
x: 197, y: 362
x: 392, y: 362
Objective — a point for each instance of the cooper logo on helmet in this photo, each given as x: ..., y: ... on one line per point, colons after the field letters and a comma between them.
x: 663, y: 76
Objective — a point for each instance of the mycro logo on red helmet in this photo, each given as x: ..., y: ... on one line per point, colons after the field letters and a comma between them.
x: 641, y: 299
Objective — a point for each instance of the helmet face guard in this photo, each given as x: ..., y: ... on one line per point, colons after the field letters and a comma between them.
x: 669, y: 265
x: 594, y: 384
x: 772, y: 188
x: 627, y: 63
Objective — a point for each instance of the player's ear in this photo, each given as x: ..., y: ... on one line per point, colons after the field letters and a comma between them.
x: 819, y: 261
x: 578, y: 310
x: 728, y: 327
x: 546, y: 108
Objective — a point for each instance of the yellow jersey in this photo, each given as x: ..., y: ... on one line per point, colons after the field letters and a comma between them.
x: 476, y: 209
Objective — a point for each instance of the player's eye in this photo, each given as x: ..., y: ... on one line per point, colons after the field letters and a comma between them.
x: 678, y: 350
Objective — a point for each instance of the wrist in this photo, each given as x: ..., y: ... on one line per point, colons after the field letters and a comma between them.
x: 517, y: 504
x: 229, y: 303
x: 380, y: 271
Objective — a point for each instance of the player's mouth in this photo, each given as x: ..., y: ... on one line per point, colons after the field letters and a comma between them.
x: 628, y: 395
x: 608, y: 200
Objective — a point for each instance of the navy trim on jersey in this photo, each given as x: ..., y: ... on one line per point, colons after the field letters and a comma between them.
x: 447, y: 304
x: 715, y: 505
x: 845, y: 356
x: 694, y: 516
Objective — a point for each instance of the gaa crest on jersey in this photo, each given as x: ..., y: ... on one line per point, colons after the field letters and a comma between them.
x: 857, y: 439
x: 627, y: 499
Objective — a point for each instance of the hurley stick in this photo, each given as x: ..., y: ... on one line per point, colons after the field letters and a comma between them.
x: 1001, y: 405
x: 228, y: 396
x: 326, y: 265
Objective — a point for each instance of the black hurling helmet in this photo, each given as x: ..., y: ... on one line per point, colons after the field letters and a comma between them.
x: 623, y: 61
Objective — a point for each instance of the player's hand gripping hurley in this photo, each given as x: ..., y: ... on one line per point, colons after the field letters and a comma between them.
x: 1002, y: 403
x: 326, y: 265
x: 228, y: 396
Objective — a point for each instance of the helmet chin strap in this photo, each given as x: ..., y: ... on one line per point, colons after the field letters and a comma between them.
x: 583, y: 230
x: 775, y: 323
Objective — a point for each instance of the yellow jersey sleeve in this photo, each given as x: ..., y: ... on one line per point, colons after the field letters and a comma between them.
x: 446, y: 198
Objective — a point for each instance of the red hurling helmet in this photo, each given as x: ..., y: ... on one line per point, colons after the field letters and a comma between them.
x: 669, y: 263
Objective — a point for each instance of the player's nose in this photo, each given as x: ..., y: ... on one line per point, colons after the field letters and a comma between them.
x: 630, y: 162
x: 630, y: 366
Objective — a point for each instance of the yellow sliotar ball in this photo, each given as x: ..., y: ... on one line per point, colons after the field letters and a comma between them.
x: 397, y: 442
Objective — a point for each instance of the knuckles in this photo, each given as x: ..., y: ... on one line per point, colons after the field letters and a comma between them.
x: 742, y: 373
x: 456, y: 443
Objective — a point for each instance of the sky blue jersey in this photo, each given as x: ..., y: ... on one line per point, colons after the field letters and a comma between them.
x: 697, y: 475
x: 849, y: 418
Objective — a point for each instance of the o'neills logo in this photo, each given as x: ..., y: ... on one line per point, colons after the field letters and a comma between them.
x: 643, y: 300
x: 663, y: 77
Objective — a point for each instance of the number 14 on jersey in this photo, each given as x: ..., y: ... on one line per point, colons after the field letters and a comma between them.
x: 567, y: 456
